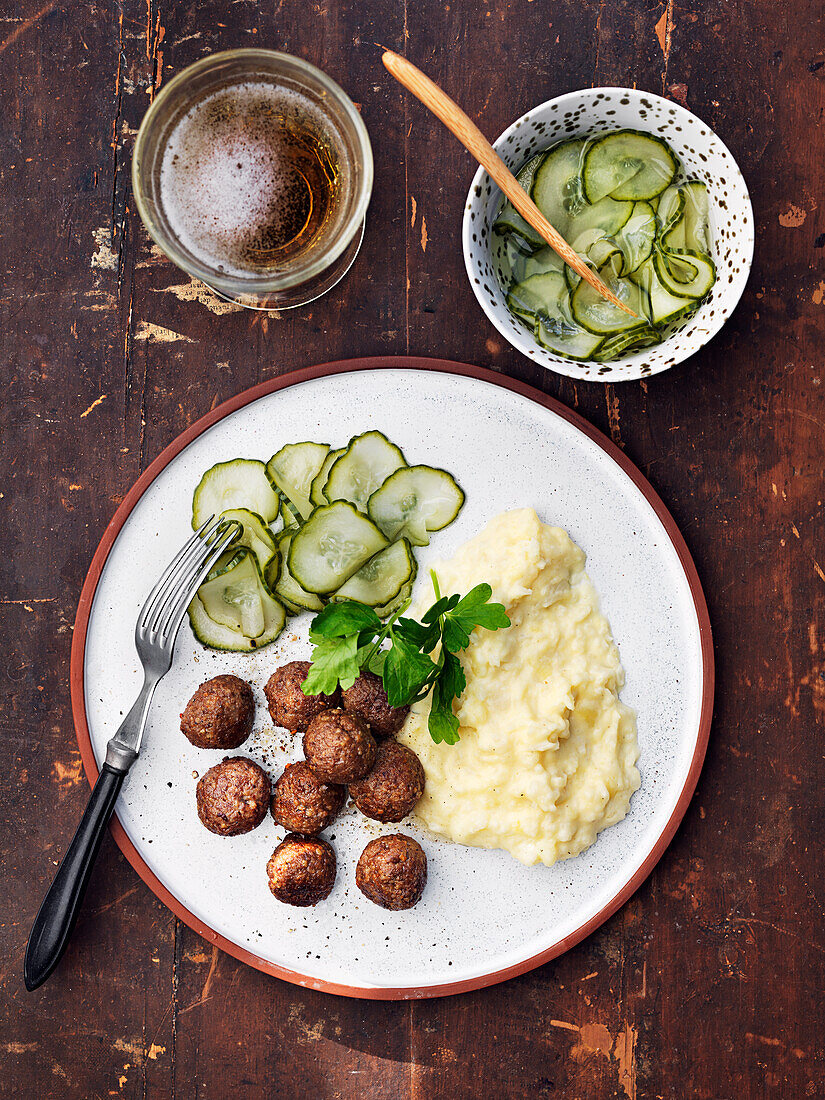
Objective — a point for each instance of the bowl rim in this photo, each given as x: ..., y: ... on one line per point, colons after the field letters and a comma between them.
x: 567, y: 367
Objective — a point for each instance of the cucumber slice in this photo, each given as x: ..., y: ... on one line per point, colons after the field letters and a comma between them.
x: 510, y: 222
x: 539, y: 294
x: 316, y: 489
x: 607, y: 215
x: 365, y: 465
x: 292, y: 469
x: 291, y: 608
x: 664, y: 308
x: 636, y: 237
x: 287, y: 588
x: 215, y: 636
x: 256, y: 536
x: 546, y: 259
x: 627, y: 164
x: 670, y: 209
x: 697, y: 216
x: 686, y: 220
x: 680, y: 268
x: 556, y: 189
x: 379, y: 581
x: 234, y: 598
x: 391, y: 607
x: 290, y: 514
x: 333, y: 544
x: 667, y: 266
x: 601, y: 317
x: 239, y: 483
x: 419, y: 499
x: 570, y: 341
x: 623, y: 343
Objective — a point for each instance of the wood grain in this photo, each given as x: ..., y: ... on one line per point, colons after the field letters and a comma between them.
x: 709, y: 983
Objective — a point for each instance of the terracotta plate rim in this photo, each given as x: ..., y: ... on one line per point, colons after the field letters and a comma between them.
x: 401, y: 362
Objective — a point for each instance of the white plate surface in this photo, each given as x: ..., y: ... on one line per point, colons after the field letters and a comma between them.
x: 482, y: 912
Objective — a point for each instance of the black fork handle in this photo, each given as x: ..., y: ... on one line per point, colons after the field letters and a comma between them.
x: 56, y: 917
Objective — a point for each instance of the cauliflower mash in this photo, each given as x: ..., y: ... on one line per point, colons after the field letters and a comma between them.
x: 547, y: 756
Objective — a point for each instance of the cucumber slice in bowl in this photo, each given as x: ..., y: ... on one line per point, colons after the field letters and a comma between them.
x: 664, y: 308
x: 365, y: 465
x: 510, y: 222
x: 670, y: 209
x: 543, y: 293
x: 255, y: 536
x: 286, y: 588
x: 379, y: 581
x: 700, y: 271
x: 333, y: 544
x: 570, y: 341
x: 628, y: 164
x: 636, y: 237
x: 601, y: 317
x: 556, y: 189
x: 418, y: 499
x: 292, y: 470
x: 697, y: 216
x: 235, y: 610
x: 239, y: 483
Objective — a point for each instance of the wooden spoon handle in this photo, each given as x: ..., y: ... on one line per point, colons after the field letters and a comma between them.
x: 472, y: 138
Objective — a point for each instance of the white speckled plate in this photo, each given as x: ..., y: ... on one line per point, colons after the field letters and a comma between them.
x: 483, y: 917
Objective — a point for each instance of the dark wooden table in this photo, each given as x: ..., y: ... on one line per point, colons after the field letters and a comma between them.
x: 709, y: 982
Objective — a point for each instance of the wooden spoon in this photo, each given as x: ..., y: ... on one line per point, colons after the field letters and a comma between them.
x: 472, y: 139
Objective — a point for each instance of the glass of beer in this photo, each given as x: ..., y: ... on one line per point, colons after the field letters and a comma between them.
x: 253, y: 171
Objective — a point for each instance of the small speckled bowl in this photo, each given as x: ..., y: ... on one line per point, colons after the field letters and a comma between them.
x: 703, y: 155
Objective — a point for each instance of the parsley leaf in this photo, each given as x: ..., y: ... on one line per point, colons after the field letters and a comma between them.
x: 470, y: 612
x: 451, y: 681
x: 338, y: 620
x: 445, y: 603
x: 425, y: 637
x: 334, y: 661
x: 349, y: 636
x: 406, y: 668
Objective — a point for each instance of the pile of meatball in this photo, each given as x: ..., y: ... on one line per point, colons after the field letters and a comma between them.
x: 348, y: 742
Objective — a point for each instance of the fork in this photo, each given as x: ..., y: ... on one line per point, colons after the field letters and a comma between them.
x: 155, y: 634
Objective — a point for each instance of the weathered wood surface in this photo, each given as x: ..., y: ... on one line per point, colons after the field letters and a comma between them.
x: 709, y: 983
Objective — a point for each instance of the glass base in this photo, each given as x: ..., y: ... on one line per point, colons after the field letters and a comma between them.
x: 305, y: 293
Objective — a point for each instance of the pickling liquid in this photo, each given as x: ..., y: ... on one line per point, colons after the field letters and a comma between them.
x: 249, y: 179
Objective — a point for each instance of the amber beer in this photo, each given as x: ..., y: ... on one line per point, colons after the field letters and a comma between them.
x: 249, y: 178
x: 253, y: 172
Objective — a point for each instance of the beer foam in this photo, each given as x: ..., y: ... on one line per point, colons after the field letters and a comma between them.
x: 230, y: 185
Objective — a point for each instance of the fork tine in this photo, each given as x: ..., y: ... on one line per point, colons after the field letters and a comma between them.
x: 188, y: 565
x: 178, y: 603
x: 158, y: 593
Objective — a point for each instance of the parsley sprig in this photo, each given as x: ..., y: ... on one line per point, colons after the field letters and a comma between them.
x: 349, y: 636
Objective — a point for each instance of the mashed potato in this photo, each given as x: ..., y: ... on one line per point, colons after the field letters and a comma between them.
x: 547, y: 756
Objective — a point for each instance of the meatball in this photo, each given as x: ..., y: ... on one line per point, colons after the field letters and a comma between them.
x: 338, y: 746
x: 288, y: 705
x: 301, y: 870
x: 394, y: 785
x: 368, y: 700
x: 392, y: 871
x: 220, y: 713
x: 233, y: 796
x: 303, y: 803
